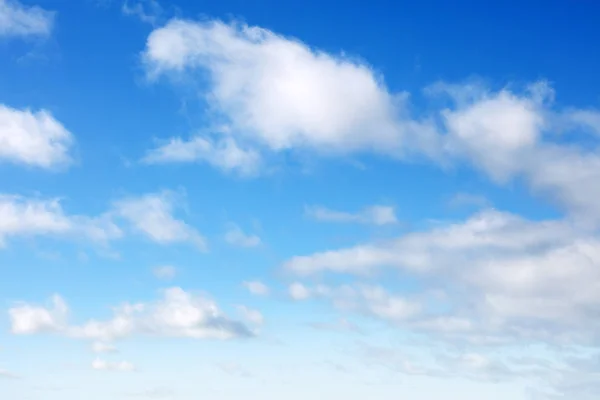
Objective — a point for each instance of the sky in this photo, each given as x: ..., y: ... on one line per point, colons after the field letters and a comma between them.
x: 333, y: 200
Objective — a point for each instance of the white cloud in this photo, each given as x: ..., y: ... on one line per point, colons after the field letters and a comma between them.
x: 165, y: 272
x: 26, y: 319
x: 21, y: 216
x: 177, y: 314
x: 504, y: 277
x: 33, y: 138
x: 236, y: 237
x: 103, y: 365
x: 148, y: 11
x: 257, y: 288
x: 511, y: 136
x: 364, y: 299
x: 17, y: 19
x: 280, y: 94
x: 102, y: 347
x: 152, y: 216
x: 225, y: 154
x: 253, y: 316
x: 298, y: 291
x: 375, y: 215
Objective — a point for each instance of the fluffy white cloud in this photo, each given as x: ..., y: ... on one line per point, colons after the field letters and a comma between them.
x: 33, y: 138
x: 152, y: 216
x: 225, y: 154
x: 17, y: 19
x: 281, y: 94
x: 257, y: 288
x: 26, y: 319
x: 237, y: 237
x: 177, y: 314
x: 511, y: 136
x: 165, y: 272
x: 375, y: 215
x: 103, y: 365
x: 21, y: 216
x: 504, y: 277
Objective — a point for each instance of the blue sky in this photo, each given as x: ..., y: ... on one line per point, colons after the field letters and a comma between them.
x: 299, y: 200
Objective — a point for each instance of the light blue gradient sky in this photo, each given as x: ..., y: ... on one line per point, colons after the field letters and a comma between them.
x: 413, y: 185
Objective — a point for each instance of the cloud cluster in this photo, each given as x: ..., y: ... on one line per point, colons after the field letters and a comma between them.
x: 151, y: 215
x: 503, y: 277
x: 275, y: 93
x: 177, y: 314
x: 18, y: 20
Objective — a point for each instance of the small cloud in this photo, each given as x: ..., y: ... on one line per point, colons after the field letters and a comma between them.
x: 4, y: 374
x: 468, y: 200
x: 234, y: 369
x: 102, y: 365
x: 18, y: 20
x: 372, y: 215
x: 165, y: 272
x: 257, y: 288
x: 298, y: 291
x: 102, y: 347
x: 236, y: 237
x: 253, y: 316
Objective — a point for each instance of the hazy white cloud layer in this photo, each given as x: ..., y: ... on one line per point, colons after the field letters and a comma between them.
x: 19, y: 20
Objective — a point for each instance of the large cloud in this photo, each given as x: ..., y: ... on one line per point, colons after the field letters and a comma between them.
x: 503, y: 277
x: 33, y: 138
x: 281, y: 94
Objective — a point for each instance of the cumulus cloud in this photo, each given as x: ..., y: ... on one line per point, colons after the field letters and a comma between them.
x: 152, y: 216
x: 512, y: 135
x: 257, y: 288
x: 103, y: 365
x: 28, y: 319
x: 33, y: 138
x: 374, y: 215
x: 224, y: 153
x: 503, y: 276
x: 18, y: 20
x: 280, y: 94
x: 237, y: 237
x: 26, y: 217
x: 177, y: 314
